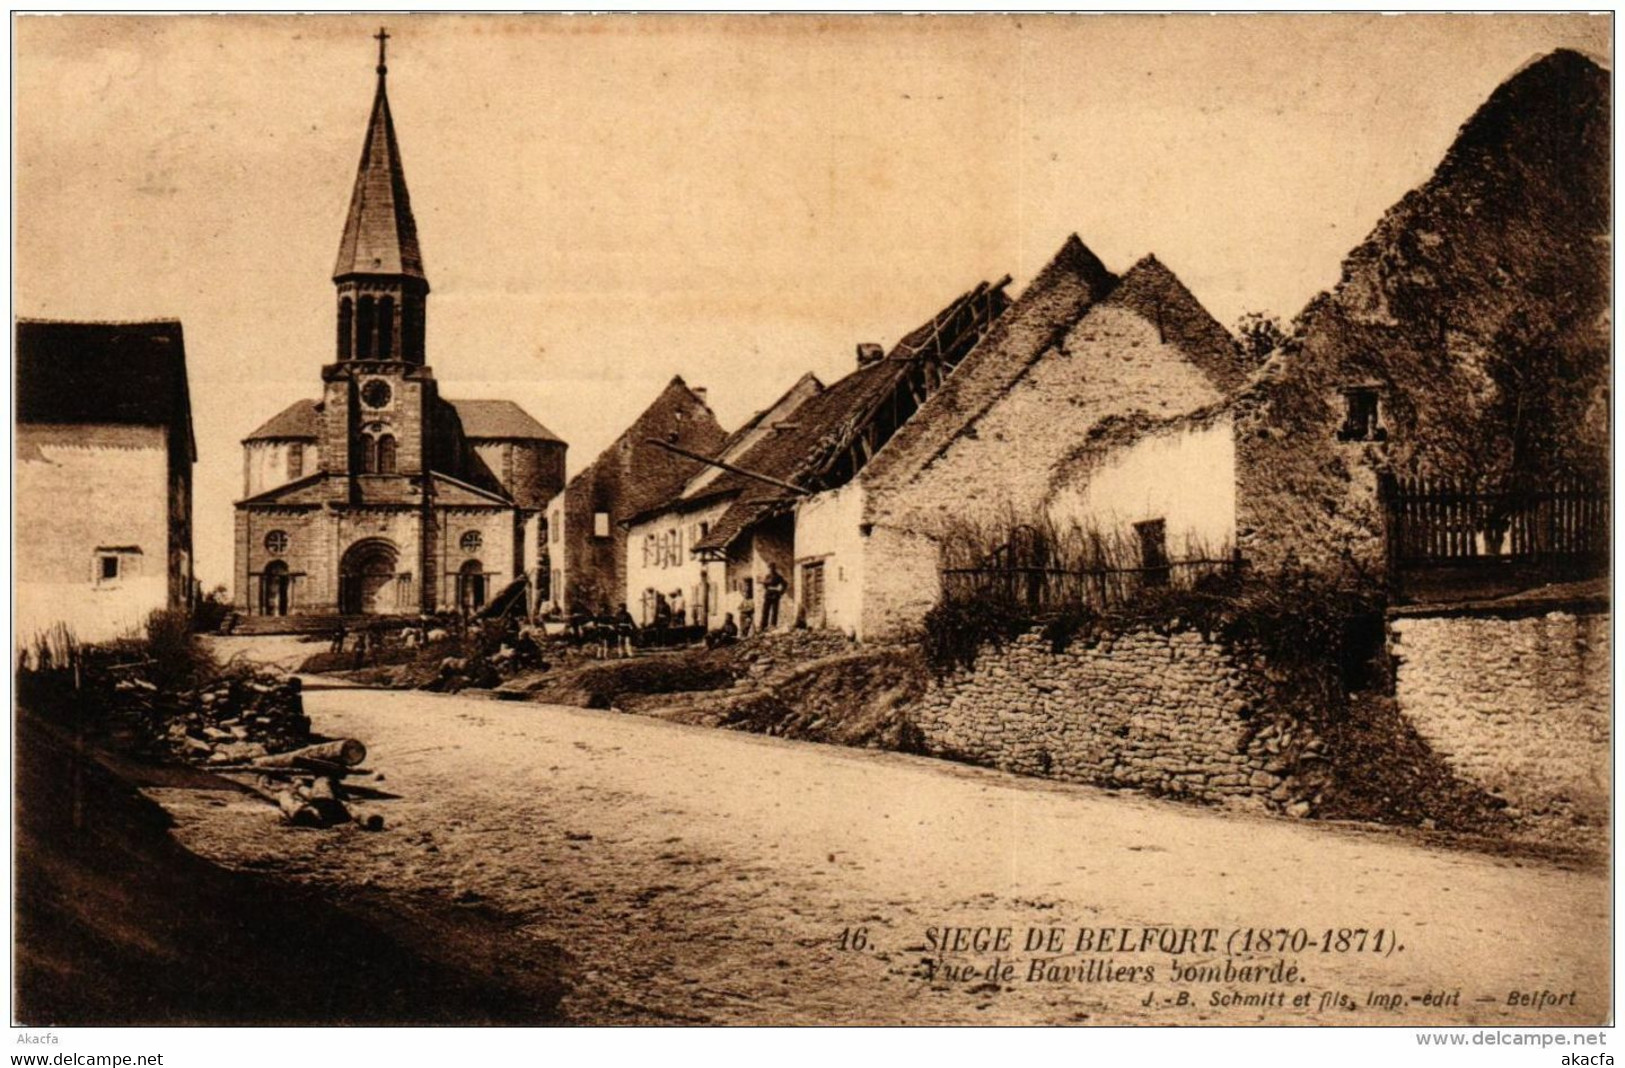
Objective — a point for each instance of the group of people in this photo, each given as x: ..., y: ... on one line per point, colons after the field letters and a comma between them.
x: 616, y: 633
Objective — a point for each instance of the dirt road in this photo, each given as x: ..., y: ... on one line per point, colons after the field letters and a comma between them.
x: 707, y: 876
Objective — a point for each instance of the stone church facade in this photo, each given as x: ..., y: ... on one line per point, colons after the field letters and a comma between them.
x: 383, y: 497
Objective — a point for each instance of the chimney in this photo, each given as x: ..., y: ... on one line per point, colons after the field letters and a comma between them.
x: 869, y: 352
x: 700, y: 392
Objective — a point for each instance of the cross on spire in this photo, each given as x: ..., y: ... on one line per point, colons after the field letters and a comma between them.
x: 382, y: 37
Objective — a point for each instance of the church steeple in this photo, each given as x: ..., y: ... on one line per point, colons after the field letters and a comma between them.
x: 379, y: 274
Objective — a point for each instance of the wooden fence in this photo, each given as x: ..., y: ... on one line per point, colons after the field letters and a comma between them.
x: 1048, y: 589
x: 1435, y: 522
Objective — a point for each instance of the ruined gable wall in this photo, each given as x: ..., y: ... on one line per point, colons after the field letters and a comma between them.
x: 1478, y: 308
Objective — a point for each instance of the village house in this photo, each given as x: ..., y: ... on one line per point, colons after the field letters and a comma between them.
x: 587, y: 538
x: 717, y: 540
x: 1096, y: 403
x: 383, y: 497
x: 103, y: 419
x: 660, y: 560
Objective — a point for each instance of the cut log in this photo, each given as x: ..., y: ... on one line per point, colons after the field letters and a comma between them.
x: 301, y: 769
x: 317, y: 812
x: 297, y: 811
x: 347, y: 751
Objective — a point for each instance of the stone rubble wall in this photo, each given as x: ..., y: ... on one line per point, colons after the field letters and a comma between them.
x: 1170, y: 713
x: 1518, y: 706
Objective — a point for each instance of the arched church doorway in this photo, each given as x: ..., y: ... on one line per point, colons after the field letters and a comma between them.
x: 274, y: 583
x: 471, y: 586
x: 367, y: 577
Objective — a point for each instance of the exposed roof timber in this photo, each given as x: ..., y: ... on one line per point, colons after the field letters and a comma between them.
x: 769, y: 479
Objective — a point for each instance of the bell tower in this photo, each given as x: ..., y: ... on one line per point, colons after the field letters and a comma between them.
x: 379, y: 392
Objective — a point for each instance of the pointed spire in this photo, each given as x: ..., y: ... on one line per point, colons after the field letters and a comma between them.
x: 380, y: 235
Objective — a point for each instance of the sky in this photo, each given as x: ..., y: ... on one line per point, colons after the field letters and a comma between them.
x: 606, y: 202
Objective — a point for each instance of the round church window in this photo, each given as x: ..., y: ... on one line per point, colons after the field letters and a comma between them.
x: 471, y: 542
x: 276, y: 542
x: 375, y: 394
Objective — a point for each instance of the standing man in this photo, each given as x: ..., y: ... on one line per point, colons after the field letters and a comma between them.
x: 773, y: 587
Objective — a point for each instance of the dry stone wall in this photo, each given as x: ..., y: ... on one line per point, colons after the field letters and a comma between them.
x: 1518, y: 706
x: 1171, y: 713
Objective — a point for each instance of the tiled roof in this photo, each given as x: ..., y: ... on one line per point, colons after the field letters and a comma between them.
x: 131, y: 373
x: 499, y: 419
x: 300, y: 420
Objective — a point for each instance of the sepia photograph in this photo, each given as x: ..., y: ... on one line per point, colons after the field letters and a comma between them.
x: 829, y: 521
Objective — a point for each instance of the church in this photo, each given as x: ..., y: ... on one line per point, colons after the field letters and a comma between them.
x: 383, y: 497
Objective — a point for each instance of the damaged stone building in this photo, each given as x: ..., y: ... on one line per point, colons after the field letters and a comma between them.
x: 1466, y: 344
x: 587, y: 536
x: 778, y: 494
x: 1097, y: 398
x: 1438, y: 424
x: 383, y: 497
x: 1096, y: 401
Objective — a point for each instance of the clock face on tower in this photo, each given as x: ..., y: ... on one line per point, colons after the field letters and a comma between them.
x: 375, y: 393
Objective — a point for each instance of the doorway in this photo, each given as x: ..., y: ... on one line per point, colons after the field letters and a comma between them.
x: 367, y: 570
x: 274, y: 586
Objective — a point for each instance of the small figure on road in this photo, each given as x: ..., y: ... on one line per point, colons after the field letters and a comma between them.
x: 625, y: 628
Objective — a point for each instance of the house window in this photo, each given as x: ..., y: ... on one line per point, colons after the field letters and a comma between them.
x: 113, y: 564
x: 812, y: 593
x: 471, y: 541
x: 296, y: 461
x: 600, y: 524
x: 1153, y: 535
x: 276, y: 542
x: 1362, y: 420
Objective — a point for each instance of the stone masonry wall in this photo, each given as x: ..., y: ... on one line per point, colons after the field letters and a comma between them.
x: 1170, y: 713
x: 1519, y: 706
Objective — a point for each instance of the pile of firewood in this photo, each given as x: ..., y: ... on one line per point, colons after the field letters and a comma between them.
x: 251, y: 725
x: 236, y: 718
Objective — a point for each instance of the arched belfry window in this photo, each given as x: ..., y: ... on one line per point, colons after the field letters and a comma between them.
x: 369, y: 454
x: 386, y: 454
x: 346, y: 327
x: 386, y: 328
x: 411, y: 327
x: 364, y: 327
